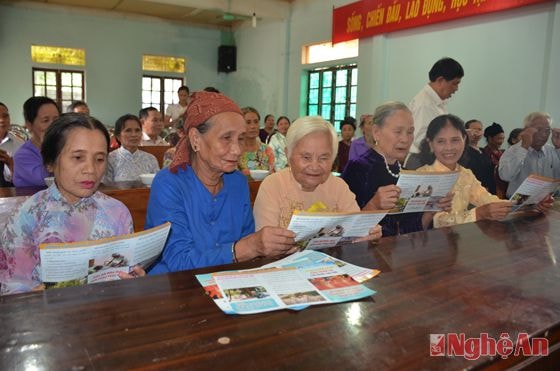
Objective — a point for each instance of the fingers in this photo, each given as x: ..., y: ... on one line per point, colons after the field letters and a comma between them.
x: 137, y: 271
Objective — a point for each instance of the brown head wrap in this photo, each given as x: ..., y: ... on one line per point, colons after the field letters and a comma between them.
x: 202, y: 107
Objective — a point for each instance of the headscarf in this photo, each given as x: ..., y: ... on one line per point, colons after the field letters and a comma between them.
x: 203, y: 106
x: 493, y: 130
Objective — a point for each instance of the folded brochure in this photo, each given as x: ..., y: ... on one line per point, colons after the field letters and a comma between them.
x: 78, y: 263
x: 317, y: 230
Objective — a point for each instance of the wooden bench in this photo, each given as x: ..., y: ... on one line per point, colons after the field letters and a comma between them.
x: 135, y: 196
x: 157, y: 151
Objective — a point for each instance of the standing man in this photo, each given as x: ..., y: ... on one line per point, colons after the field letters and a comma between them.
x: 531, y: 155
x: 152, y: 126
x: 175, y: 111
x: 445, y: 77
x: 9, y: 144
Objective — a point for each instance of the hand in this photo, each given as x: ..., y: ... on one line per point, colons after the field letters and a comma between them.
x: 494, y: 210
x: 385, y: 198
x: 446, y: 202
x: 268, y: 242
x: 6, y: 158
x: 546, y: 204
x: 526, y: 137
x: 137, y: 271
x: 556, y: 138
x: 40, y: 287
x: 375, y: 234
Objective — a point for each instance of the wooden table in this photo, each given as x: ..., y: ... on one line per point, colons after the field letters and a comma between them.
x: 480, y: 277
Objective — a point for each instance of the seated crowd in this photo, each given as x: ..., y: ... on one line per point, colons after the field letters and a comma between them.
x: 203, y: 189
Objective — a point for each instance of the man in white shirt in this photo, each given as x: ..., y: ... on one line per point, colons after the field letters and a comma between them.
x: 445, y: 77
x: 9, y: 144
x: 175, y: 111
x: 152, y: 126
x: 531, y: 155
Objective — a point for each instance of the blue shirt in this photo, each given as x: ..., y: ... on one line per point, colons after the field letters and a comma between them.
x: 203, y: 226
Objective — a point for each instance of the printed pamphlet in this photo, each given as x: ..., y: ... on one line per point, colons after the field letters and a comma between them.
x: 296, y: 282
x: 78, y: 263
x: 533, y: 190
x: 421, y: 191
x: 318, y: 230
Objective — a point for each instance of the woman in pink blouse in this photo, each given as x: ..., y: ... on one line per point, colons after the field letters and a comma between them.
x: 75, y: 149
x: 307, y: 184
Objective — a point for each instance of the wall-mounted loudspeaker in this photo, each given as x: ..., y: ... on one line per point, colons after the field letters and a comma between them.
x: 227, y: 58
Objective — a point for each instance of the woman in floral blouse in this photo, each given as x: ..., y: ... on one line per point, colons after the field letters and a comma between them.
x: 75, y: 149
x: 257, y: 155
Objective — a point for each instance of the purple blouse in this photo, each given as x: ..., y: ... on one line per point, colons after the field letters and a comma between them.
x: 29, y: 170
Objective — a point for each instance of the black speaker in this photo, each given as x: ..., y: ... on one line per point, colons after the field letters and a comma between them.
x: 227, y: 58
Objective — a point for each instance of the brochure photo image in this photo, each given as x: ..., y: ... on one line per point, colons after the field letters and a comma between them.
x: 333, y: 282
x: 246, y: 293
x: 306, y: 297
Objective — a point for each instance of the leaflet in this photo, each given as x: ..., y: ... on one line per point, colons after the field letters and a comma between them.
x: 308, y: 257
x: 321, y: 230
x: 421, y: 191
x: 533, y: 190
x: 295, y: 282
x: 78, y: 263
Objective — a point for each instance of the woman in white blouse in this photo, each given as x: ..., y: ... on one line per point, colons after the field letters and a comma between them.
x: 127, y: 162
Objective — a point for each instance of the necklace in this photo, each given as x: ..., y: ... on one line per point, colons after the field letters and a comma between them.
x: 389, y: 170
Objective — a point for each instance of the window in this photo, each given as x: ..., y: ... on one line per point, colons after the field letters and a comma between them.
x: 160, y: 92
x: 332, y: 93
x: 63, y: 86
x: 323, y: 52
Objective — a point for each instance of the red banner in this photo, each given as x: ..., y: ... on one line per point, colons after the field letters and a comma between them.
x: 372, y: 17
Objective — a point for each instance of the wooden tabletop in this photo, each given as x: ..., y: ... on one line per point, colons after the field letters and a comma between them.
x: 491, y: 277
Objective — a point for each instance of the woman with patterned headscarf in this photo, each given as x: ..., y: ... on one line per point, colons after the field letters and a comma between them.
x: 206, y: 198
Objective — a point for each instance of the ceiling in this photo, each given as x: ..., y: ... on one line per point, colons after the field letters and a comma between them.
x: 209, y: 13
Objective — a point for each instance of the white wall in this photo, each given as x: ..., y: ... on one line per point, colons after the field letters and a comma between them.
x: 114, y: 46
x: 510, y: 58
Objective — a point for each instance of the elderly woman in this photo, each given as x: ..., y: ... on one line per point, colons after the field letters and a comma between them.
x: 9, y: 144
x: 278, y: 143
x: 442, y: 148
x: 268, y: 130
x: 475, y: 159
x: 29, y: 171
x: 205, y: 198
x: 257, y: 155
x: 495, y: 137
x: 373, y: 176
x: 311, y: 148
x: 361, y: 145
x: 70, y: 210
x: 127, y: 162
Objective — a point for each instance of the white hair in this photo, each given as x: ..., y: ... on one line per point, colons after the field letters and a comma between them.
x: 536, y: 115
x: 306, y: 125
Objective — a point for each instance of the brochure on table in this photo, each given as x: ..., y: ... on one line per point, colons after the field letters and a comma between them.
x: 421, y: 191
x: 533, y: 190
x: 78, y: 263
x: 317, y: 230
x: 296, y: 282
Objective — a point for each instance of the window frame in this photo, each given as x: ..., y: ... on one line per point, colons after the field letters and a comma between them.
x: 352, y: 69
x: 162, y: 105
x: 58, y: 72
